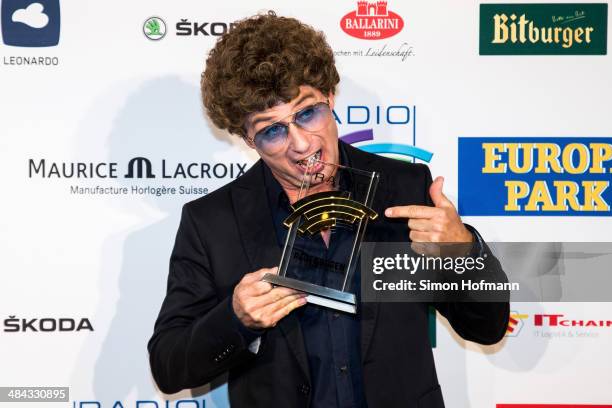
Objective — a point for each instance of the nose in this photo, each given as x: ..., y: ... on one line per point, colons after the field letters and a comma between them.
x: 299, y: 141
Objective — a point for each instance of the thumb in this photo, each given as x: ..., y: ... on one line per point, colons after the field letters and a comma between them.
x: 436, y: 194
x: 273, y: 271
x: 259, y: 274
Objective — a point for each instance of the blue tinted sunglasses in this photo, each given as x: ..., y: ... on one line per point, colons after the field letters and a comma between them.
x: 310, y: 119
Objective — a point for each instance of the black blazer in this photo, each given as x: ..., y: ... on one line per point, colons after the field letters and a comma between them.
x: 229, y: 233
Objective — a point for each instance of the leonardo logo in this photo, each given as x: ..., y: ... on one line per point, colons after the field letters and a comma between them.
x: 543, y: 29
x: 31, y: 24
x: 154, y: 28
x: 372, y: 21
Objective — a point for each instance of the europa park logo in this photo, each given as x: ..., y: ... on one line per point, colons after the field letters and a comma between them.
x: 372, y: 21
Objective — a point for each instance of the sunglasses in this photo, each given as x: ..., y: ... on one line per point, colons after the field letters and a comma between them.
x: 310, y: 119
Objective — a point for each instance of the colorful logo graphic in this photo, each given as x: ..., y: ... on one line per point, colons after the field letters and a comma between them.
x: 535, y: 176
x: 154, y: 28
x: 543, y: 29
x: 404, y: 151
x: 31, y: 24
x: 372, y: 21
x: 515, y: 324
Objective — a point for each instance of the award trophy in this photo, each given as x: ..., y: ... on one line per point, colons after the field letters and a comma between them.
x: 325, y: 230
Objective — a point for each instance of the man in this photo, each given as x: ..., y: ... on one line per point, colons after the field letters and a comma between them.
x: 271, y: 80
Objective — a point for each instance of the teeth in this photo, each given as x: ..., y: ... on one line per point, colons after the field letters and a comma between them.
x: 310, y: 160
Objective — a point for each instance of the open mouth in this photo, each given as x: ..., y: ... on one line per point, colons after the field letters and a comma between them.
x: 310, y: 160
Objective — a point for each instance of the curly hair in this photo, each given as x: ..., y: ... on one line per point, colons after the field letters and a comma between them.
x: 260, y: 63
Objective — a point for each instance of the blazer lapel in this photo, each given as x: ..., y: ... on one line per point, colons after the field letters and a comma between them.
x: 259, y: 241
x: 255, y: 219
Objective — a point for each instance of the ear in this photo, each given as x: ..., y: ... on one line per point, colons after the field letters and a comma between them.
x: 331, y: 99
x: 249, y: 142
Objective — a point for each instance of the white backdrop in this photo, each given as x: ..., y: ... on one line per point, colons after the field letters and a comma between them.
x: 115, y: 95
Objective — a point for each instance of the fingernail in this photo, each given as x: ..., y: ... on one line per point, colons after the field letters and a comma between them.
x: 303, y: 301
x: 388, y: 212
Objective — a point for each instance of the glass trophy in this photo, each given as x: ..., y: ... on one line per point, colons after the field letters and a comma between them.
x: 325, y: 228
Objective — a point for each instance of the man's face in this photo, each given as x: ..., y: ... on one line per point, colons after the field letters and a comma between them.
x: 314, y: 134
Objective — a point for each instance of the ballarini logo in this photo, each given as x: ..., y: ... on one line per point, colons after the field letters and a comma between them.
x: 372, y: 21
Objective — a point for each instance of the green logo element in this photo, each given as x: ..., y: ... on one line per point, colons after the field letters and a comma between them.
x: 544, y: 29
x: 154, y: 28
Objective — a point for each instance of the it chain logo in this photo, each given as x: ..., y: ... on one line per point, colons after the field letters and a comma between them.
x: 541, y: 321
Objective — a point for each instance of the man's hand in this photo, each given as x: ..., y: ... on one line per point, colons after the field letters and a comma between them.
x: 259, y: 305
x: 433, y: 224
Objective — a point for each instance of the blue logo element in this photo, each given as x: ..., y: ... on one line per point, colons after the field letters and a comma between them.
x: 31, y: 23
x: 539, y: 176
x: 385, y: 148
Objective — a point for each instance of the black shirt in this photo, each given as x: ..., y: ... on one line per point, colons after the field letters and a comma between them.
x: 331, y: 338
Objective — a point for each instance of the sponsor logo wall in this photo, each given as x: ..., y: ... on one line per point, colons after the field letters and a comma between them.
x: 103, y: 139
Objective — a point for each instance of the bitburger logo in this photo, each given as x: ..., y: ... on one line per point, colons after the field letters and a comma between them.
x: 372, y: 21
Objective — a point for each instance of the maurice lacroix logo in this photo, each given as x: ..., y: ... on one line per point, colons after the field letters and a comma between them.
x: 31, y: 23
x: 144, y: 173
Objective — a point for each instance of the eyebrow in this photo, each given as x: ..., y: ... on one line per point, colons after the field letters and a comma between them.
x: 269, y: 118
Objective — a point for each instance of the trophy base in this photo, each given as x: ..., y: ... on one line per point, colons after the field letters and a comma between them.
x: 318, y: 295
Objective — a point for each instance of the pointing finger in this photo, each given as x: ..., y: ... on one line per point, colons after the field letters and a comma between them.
x: 412, y: 211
